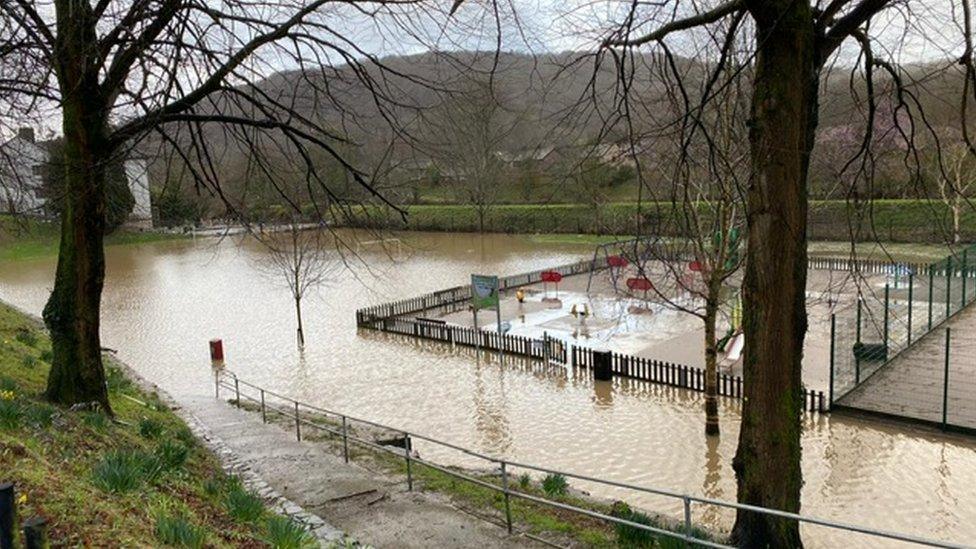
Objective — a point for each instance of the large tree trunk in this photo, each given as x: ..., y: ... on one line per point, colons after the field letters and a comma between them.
x: 72, y: 312
x: 767, y: 462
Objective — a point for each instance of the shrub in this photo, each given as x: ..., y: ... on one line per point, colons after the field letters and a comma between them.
x: 122, y: 471
x: 47, y: 355
x: 150, y: 428
x: 177, y: 531
x: 29, y: 361
x: 171, y: 455
x: 242, y: 505
x: 10, y: 413
x: 554, y: 485
x: 26, y: 336
x: 284, y: 533
x: 524, y: 480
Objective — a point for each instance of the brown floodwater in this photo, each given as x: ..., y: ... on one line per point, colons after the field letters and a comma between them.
x: 163, y: 301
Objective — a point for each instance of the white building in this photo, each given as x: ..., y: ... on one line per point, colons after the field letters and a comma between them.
x: 21, y: 167
x: 22, y: 161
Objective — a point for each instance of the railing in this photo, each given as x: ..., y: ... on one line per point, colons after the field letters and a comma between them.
x: 881, y: 327
x: 685, y: 530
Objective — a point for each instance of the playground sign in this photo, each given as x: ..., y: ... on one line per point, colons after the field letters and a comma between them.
x: 484, y: 292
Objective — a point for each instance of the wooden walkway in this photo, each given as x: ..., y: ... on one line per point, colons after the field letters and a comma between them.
x: 911, y: 385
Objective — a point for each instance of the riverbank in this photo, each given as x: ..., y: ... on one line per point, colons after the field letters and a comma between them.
x: 26, y: 238
x: 140, y: 479
x: 885, y: 220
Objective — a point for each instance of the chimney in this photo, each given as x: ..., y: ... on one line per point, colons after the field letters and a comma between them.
x: 27, y: 134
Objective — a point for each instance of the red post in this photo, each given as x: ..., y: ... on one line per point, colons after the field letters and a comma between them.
x: 217, y: 350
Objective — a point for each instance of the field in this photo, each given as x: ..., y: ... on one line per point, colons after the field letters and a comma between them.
x: 911, y: 221
x: 24, y: 238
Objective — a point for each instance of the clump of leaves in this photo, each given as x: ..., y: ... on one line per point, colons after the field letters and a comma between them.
x: 40, y: 414
x: 26, y: 336
x: 185, y: 435
x: 29, y: 361
x: 47, y: 355
x: 8, y: 384
x: 524, y: 480
x: 630, y: 536
x: 11, y: 412
x: 171, y: 455
x: 116, y: 380
x: 284, y: 533
x: 214, y: 485
x: 177, y: 531
x: 122, y: 471
x: 95, y: 420
x: 243, y: 506
x: 555, y: 485
x: 150, y: 428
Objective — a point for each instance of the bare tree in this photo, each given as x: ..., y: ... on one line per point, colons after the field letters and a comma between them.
x: 470, y: 129
x: 955, y: 178
x: 792, y: 46
x: 200, y: 80
x: 304, y: 257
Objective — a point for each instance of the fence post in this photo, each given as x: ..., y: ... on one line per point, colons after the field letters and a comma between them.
x: 886, y: 303
x: 237, y: 392
x: 217, y: 384
x: 298, y: 425
x: 948, y: 285
x: 345, y: 440
x: 962, y: 272
x: 857, y: 357
x: 406, y: 453
x: 931, y: 282
x: 508, y: 508
x: 911, y: 288
x: 264, y: 413
x: 833, y: 332
x: 35, y: 534
x: 7, y: 512
x: 945, y: 383
x: 687, y: 504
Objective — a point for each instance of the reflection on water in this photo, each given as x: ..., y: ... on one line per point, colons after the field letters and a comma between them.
x: 165, y: 300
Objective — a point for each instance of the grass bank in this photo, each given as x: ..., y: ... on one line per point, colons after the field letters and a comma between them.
x: 140, y: 480
x: 24, y: 238
x: 883, y: 220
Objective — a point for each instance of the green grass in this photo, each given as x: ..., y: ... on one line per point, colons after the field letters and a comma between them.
x: 23, y: 238
x: 100, y: 482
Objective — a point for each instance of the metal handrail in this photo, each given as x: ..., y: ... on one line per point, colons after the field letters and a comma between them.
x: 687, y: 499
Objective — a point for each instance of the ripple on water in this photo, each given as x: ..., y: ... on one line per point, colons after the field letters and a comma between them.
x: 163, y: 301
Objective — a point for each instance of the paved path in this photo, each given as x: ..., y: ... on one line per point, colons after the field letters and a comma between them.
x: 373, y: 509
x: 912, y: 384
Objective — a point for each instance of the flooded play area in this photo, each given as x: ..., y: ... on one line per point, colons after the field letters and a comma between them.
x: 163, y: 301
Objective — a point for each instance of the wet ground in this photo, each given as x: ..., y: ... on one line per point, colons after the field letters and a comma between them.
x: 164, y: 301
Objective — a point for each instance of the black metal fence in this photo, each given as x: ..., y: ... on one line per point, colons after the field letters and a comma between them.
x: 890, y: 342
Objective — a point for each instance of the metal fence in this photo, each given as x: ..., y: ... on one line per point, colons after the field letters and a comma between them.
x: 340, y: 425
x: 877, y: 345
